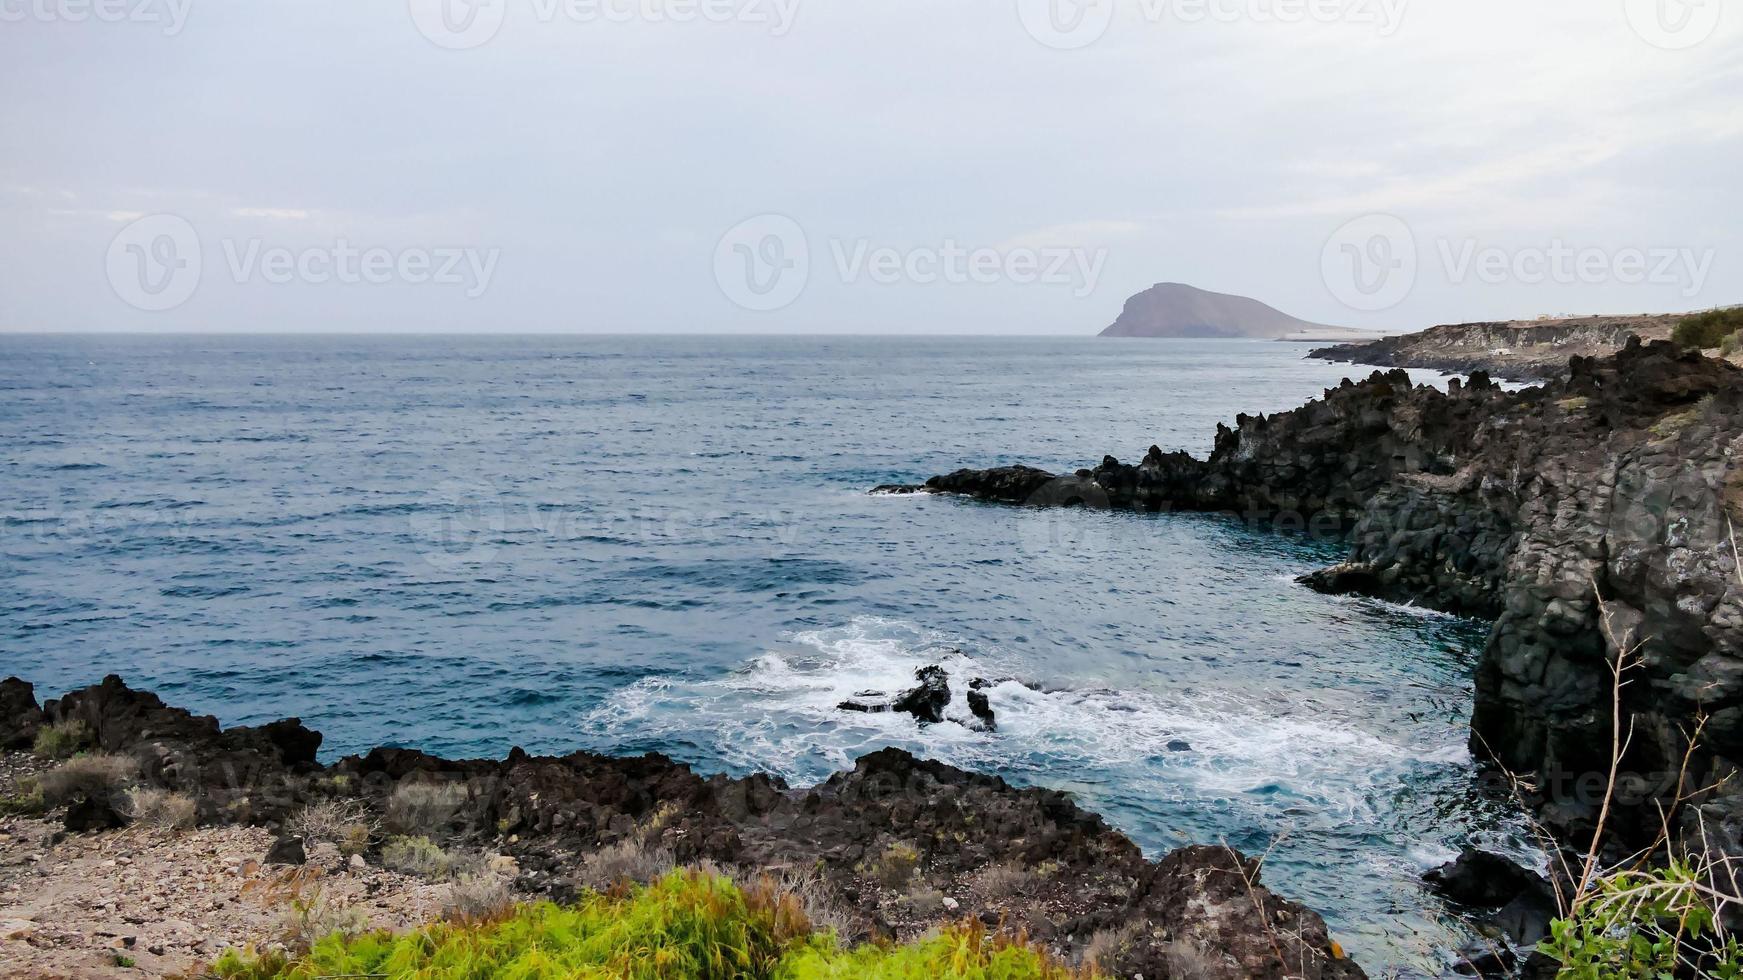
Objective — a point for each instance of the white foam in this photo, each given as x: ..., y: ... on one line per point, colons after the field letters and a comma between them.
x: 780, y: 713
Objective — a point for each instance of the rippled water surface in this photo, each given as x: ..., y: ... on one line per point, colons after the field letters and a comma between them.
x: 632, y: 544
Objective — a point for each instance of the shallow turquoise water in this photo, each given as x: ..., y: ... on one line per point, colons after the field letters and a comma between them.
x: 633, y: 544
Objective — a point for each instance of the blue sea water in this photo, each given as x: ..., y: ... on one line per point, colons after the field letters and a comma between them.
x: 636, y: 544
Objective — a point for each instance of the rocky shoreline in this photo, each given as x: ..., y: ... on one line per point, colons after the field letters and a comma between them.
x: 1517, y: 350
x: 893, y: 847
x: 1618, y: 482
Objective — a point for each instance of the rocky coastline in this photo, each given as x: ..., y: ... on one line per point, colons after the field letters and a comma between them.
x: 1516, y: 350
x: 895, y: 846
x: 1619, y: 482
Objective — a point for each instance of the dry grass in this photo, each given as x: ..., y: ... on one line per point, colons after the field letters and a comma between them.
x: 98, y: 776
x: 895, y: 868
x: 425, y: 809
x: 346, y: 824
x: 161, y: 809
x: 630, y: 860
x: 479, y: 898
x: 416, y: 856
x: 997, y: 882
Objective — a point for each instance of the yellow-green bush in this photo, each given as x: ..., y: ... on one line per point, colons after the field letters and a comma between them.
x: 688, y: 926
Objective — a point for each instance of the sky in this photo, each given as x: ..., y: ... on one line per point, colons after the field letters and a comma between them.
x: 903, y: 166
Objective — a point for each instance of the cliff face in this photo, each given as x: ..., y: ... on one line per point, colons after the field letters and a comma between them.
x: 1517, y: 350
x: 1620, y: 481
x: 1172, y: 309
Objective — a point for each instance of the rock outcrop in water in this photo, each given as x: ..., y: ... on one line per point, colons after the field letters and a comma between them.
x: 1620, y: 481
x: 901, y: 844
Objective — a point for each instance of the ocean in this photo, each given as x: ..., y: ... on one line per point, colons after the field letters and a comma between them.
x: 634, y: 544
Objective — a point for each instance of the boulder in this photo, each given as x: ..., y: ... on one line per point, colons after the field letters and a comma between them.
x: 19, y: 715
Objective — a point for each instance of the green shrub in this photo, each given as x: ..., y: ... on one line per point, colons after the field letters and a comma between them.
x: 1708, y: 330
x: 1729, y: 345
x: 1645, y: 924
x: 62, y: 740
x: 688, y: 926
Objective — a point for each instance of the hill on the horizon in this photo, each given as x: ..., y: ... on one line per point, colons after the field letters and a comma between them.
x: 1172, y: 309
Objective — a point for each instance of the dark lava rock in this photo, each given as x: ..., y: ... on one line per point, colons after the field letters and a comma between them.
x: 1481, y: 880
x: 1179, y: 745
x: 286, y: 850
x: 19, y: 715
x: 928, y: 701
x: 93, y: 813
x: 981, y: 706
x: 1489, y: 961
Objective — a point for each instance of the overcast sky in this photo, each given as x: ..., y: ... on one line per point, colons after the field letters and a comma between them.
x: 914, y: 166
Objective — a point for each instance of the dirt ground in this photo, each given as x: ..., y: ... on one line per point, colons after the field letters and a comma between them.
x: 133, y: 902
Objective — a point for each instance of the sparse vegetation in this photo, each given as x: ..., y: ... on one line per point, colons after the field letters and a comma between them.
x: 1661, y: 912
x: 997, y: 882
x: 478, y: 898
x: 346, y: 824
x: 688, y: 925
x: 1710, y: 329
x: 416, y: 856
x: 424, y: 809
x: 23, y: 799
x: 96, y: 776
x: 161, y: 809
x: 896, y: 867
x: 629, y: 860
x: 62, y: 740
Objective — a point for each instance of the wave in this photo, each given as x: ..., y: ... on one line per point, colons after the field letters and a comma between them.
x: 779, y: 713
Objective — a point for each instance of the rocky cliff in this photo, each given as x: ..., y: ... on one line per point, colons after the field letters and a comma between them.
x: 1620, y: 481
x: 1516, y: 350
x: 900, y: 845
